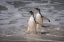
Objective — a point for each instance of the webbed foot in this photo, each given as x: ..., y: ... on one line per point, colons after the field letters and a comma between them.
x: 26, y: 31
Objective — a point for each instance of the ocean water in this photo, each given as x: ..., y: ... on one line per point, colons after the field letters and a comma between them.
x: 14, y: 15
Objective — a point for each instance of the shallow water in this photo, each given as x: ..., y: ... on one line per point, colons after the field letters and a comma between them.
x: 14, y: 15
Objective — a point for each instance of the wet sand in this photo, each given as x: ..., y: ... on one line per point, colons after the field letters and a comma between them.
x: 49, y: 34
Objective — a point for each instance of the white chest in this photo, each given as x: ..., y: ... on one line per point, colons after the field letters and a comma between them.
x: 31, y: 24
x: 31, y: 19
x: 38, y: 18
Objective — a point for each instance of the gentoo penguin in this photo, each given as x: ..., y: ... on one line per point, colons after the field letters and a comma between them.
x: 39, y: 18
x: 32, y: 24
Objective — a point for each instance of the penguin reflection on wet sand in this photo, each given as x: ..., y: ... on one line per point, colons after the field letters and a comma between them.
x: 32, y: 24
x: 39, y: 18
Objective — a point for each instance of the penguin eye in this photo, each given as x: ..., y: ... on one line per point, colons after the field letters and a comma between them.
x: 37, y: 9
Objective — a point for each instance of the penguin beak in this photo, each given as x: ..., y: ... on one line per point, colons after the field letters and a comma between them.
x: 36, y: 9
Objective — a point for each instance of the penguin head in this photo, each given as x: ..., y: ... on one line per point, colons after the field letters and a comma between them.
x: 31, y: 12
x: 37, y: 9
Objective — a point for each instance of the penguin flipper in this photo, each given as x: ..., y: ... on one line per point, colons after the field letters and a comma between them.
x: 39, y: 23
x: 45, y: 18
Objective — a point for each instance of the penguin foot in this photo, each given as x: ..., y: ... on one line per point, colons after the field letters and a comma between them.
x: 43, y: 26
x: 26, y: 31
